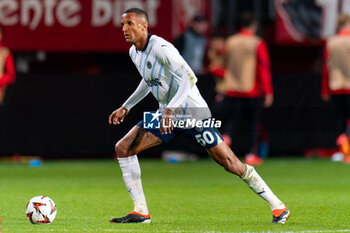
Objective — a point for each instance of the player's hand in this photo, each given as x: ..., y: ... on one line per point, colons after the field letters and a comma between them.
x: 166, y: 125
x: 118, y: 115
x: 268, y: 100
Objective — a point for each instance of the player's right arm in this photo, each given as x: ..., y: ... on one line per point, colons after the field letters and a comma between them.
x: 118, y: 116
x: 141, y: 92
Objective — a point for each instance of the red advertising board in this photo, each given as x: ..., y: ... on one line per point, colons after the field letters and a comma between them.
x: 84, y: 25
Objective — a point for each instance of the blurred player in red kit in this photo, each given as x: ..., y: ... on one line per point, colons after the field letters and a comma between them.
x: 336, y: 81
x: 246, y: 83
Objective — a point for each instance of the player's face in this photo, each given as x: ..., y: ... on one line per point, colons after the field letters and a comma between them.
x: 134, y: 27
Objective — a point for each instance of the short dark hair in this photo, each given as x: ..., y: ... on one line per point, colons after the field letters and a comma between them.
x: 138, y: 12
x: 343, y: 19
x: 247, y: 19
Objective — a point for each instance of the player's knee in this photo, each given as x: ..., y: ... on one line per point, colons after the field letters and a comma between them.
x: 121, y: 149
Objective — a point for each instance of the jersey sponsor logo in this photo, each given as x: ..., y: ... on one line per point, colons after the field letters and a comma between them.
x: 153, y: 82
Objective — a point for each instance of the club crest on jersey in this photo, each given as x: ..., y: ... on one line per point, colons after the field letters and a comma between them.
x: 149, y: 65
x: 153, y: 82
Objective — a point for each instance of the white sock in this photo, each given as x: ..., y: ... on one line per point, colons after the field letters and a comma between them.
x: 132, y: 177
x: 257, y: 184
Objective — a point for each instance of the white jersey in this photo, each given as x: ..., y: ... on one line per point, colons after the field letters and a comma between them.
x: 164, y: 70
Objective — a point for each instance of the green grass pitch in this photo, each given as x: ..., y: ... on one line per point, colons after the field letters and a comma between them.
x: 185, y: 197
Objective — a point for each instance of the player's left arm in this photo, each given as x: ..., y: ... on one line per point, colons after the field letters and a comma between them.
x: 187, y: 82
x: 170, y: 56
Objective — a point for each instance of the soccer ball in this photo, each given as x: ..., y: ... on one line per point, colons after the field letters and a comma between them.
x: 41, y: 210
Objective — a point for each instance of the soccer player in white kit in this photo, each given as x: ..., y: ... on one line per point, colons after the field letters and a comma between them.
x: 172, y: 82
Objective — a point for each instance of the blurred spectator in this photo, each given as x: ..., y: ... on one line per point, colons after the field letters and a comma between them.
x: 216, y: 61
x: 336, y: 81
x: 246, y: 81
x: 7, y: 69
x: 192, y: 44
x: 215, y: 68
